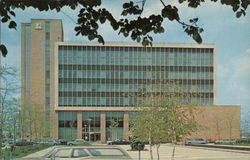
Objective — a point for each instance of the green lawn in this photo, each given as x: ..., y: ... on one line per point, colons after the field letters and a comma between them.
x: 237, y: 144
x: 21, y: 151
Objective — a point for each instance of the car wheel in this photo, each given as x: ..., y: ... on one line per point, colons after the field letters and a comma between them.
x: 71, y: 144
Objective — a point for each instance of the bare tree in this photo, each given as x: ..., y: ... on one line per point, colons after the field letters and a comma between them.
x: 33, y: 121
x: 8, y: 88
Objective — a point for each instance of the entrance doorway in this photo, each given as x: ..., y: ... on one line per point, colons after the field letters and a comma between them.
x: 94, y: 136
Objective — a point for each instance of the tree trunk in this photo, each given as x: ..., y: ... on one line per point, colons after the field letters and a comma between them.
x: 157, y: 150
x: 151, y: 152
x: 173, y: 152
x: 150, y: 149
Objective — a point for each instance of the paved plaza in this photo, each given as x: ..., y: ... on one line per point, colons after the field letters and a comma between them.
x: 189, y: 153
x: 181, y: 153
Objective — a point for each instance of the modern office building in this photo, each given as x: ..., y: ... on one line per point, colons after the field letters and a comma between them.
x: 84, y: 86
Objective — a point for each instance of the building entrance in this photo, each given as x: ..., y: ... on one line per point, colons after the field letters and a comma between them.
x: 93, y: 136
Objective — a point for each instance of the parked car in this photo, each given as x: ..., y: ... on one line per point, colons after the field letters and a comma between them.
x: 137, y: 145
x: 196, y: 141
x: 7, y: 144
x: 119, y: 142
x: 62, y: 142
x: 225, y: 141
x: 78, y: 142
x: 244, y: 140
x: 53, y: 142
x: 23, y: 142
x: 88, y: 152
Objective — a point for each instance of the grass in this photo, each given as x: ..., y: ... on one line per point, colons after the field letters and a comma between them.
x: 21, y: 151
x: 237, y: 144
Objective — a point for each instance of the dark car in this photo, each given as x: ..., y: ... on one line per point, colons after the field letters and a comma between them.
x: 119, y: 142
x: 62, y: 142
x: 244, y: 140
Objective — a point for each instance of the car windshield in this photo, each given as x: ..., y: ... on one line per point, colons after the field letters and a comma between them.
x: 80, y: 153
x: 105, y: 152
x: 61, y: 153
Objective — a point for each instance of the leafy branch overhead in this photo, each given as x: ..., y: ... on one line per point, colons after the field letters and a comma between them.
x: 133, y: 24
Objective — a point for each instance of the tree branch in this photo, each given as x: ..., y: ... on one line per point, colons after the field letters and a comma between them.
x: 162, y: 3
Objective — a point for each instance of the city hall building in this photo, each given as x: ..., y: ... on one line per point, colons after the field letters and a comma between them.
x: 83, y: 86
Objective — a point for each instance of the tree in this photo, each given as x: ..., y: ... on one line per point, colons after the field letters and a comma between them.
x: 132, y: 25
x: 164, y: 117
x: 8, y: 102
x: 34, y: 123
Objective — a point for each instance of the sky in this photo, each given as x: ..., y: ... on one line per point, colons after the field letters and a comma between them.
x: 229, y: 34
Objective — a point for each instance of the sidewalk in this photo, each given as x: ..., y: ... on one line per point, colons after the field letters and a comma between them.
x: 188, y: 153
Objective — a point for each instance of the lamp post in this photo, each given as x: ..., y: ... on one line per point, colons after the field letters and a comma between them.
x: 89, y: 128
x: 85, y: 131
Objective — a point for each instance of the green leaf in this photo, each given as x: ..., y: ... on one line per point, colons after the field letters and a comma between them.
x: 138, y: 39
x: 238, y: 14
x: 4, y: 50
x: 91, y: 37
x: 12, y: 24
x: 125, y: 34
x: 127, y: 5
x: 102, y: 19
x: 115, y: 25
x: 197, y: 38
x: 4, y: 19
x: 12, y: 13
x: 124, y: 12
x: 101, y: 40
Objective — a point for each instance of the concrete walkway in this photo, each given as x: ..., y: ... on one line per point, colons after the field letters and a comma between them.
x: 189, y: 153
x: 181, y: 153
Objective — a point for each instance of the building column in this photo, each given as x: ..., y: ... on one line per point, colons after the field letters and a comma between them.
x: 103, y: 126
x: 79, y: 125
x: 125, y: 126
x: 54, y: 125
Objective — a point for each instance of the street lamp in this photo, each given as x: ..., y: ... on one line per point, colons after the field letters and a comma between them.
x: 85, y: 131
x: 89, y: 128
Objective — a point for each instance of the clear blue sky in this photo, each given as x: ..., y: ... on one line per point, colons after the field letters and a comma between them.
x: 221, y: 27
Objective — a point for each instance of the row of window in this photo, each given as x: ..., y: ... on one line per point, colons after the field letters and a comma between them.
x: 144, y: 68
x: 115, y: 101
x: 136, y: 52
x: 95, y: 87
x: 89, y: 119
x: 134, y: 74
x: 47, y: 65
x: 135, y: 81
x: 136, y: 61
x: 27, y: 61
x: 136, y: 48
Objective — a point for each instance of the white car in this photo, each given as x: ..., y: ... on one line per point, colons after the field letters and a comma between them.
x: 52, y: 142
x: 82, y: 153
x: 225, y: 141
x: 196, y: 141
x: 77, y: 142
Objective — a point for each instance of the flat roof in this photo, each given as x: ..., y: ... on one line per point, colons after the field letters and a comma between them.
x: 119, y: 44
